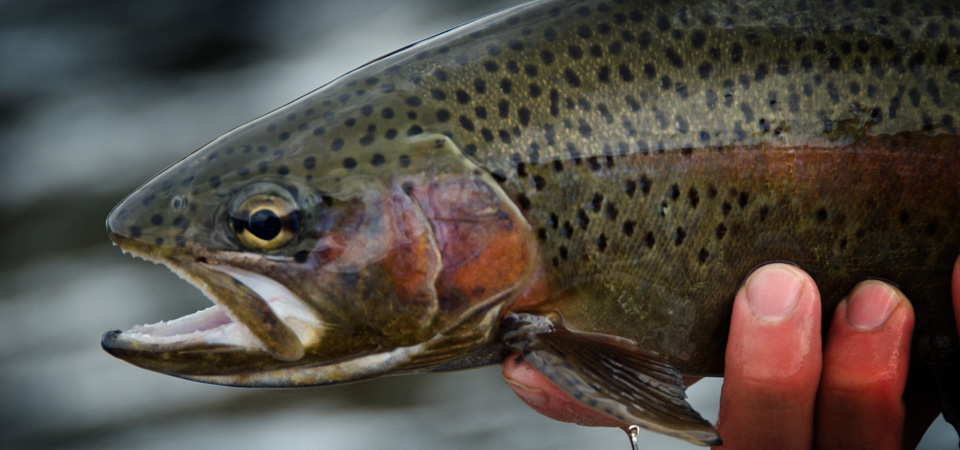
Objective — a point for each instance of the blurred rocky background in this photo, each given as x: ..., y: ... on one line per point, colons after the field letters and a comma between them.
x: 96, y: 96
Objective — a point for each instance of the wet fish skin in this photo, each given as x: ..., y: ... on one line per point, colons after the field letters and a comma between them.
x: 617, y: 165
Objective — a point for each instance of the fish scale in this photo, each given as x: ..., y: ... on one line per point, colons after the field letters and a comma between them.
x: 595, y: 176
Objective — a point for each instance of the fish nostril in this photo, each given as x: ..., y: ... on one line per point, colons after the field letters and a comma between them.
x: 178, y: 202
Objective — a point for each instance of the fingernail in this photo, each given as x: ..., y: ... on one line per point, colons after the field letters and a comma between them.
x: 772, y: 292
x: 871, y: 304
x: 533, y: 397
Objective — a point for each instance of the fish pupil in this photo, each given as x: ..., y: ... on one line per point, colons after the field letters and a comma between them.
x: 265, y: 224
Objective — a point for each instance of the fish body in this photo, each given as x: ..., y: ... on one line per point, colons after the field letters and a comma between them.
x: 590, y: 175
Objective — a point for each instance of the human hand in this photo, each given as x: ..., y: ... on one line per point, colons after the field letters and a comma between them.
x: 782, y: 389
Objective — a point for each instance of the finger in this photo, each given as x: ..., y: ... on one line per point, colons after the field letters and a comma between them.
x: 772, y: 362
x: 956, y: 292
x: 546, y: 398
x: 865, y: 362
x: 922, y: 397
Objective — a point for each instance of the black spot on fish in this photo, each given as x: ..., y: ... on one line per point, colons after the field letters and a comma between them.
x: 703, y: 255
x: 611, y: 211
x: 571, y: 77
x: 582, y: 219
x: 645, y: 184
x: 720, y: 231
x: 630, y: 188
x: 523, y: 113
x: 602, y: 242
x: 539, y: 182
x: 742, y: 199
x: 663, y: 23
x: 698, y: 38
x: 705, y: 69
x: 594, y: 163
x: 547, y: 57
x: 914, y: 95
x: 736, y: 53
x: 523, y: 201
x: 904, y: 217
x: 682, y: 126
x: 761, y: 72
x: 693, y: 197
x: 674, y: 58
x: 615, y: 48
x: 550, y: 34
x: 535, y: 91
x: 567, y: 230
x: 584, y: 128
x: 466, y: 123
x: 650, y: 71
x: 648, y: 240
x: 821, y: 215
x: 603, y: 74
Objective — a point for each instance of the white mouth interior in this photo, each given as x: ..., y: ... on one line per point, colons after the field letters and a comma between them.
x: 215, y: 326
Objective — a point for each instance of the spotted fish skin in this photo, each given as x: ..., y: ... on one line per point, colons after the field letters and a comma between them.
x: 640, y: 158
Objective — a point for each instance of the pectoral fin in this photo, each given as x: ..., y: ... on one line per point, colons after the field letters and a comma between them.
x: 610, y: 376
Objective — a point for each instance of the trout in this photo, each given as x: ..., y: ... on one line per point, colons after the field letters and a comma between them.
x: 585, y: 182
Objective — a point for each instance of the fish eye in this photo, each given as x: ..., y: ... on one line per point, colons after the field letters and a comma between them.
x: 265, y: 222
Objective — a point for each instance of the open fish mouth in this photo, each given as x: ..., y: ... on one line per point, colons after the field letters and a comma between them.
x: 252, y: 314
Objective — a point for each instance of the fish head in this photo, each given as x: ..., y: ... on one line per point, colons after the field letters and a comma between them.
x: 328, y: 258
